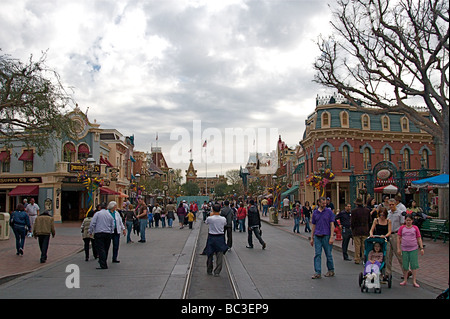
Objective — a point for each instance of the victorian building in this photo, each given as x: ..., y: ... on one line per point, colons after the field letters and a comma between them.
x: 53, y: 179
x: 356, y: 142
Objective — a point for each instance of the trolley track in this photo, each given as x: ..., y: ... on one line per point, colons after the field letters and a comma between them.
x: 200, y: 285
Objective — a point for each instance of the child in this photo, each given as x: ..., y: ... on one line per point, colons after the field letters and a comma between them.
x: 190, y: 216
x: 408, y: 244
x: 374, y: 261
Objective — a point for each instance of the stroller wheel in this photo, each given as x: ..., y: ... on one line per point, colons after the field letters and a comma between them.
x: 360, y: 278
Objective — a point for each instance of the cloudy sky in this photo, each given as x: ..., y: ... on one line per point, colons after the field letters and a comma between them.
x: 148, y: 67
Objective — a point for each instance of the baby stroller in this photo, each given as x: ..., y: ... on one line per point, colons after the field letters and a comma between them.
x: 372, y: 279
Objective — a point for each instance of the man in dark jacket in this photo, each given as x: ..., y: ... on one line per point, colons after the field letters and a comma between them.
x: 227, y: 212
x: 254, y: 225
x: 360, y: 220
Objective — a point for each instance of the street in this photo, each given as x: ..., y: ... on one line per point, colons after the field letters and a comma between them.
x: 157, y: 270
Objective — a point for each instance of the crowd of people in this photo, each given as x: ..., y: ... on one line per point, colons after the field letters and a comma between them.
x: 391, y: 219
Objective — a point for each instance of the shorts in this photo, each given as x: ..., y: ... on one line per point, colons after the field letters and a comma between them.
x: 410, y: 260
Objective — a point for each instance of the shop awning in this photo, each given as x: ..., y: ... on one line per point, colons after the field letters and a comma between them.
x: 27, y: 155
x: 4, y: 156
x: 107, y: 191
x: 289, y: 191
x: 25, y: 190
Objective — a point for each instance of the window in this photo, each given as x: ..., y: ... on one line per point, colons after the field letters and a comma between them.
x: 345, y: 157
x: 385, y: 123
x: 425, y: 159
x: 5, y: 159
x: 326, y: 119
x: 406, y: 159
x: 83, y: 152
x: 27, y: 158
x: 386, y: 154
x: 69, y: 152
x: 405, y: 124
x: 327, y: 154
x: 344, y: 119
x: 366, y: 158
x: 365, y: 122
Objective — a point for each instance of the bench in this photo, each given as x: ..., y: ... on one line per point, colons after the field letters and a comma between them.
x: 435, y: 228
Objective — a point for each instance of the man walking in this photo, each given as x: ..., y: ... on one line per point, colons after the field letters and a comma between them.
x: 397, y: 219
x: 322, y: 237
x: 360, y: 222
x: 254, y: 225
x: 227, y: 212
x: 32, y: 210
x: 215, y: 244
x: 43, y: 228
x: 102, y: 226
x: 345, y: 225
x: 143, y: 218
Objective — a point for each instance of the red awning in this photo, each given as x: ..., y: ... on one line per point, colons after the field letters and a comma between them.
x: 25, y: 190
x: 4, y: 156
x: 27, y: 155
x: 107, y: 191
x: 83, y: 149
x: 105, y: 161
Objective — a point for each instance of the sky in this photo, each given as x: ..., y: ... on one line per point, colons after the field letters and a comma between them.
x: 179, y: 72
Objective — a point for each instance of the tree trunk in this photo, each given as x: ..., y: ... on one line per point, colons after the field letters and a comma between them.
x: 444, y: 192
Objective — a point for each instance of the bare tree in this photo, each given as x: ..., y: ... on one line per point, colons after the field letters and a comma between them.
x: 31, y: 102
x: 392, y: 56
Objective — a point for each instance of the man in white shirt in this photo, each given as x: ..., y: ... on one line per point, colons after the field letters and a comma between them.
x: 397, y: 219
x: 285, y: 207
x: 32, y: 210
x: 216, y: 240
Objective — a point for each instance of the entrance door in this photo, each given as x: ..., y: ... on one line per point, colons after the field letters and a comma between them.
x: 70, y: 205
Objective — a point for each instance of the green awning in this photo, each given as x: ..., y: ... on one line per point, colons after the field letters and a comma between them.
x: 289, y: 191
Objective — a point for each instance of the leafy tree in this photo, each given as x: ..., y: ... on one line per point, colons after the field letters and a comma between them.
x: 32, y: 100
x: 190, y: 189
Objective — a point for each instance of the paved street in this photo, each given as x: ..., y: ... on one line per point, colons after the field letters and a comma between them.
x: 158, y: 268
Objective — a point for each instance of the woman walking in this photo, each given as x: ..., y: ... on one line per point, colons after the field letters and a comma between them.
x: 20, y: 223
x: 88, y: 238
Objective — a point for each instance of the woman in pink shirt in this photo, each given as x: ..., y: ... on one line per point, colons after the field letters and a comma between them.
x: 408, y: 244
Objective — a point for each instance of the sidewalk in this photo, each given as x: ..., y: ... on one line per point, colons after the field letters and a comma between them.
x: 66, y: 242
x: 434, y: 264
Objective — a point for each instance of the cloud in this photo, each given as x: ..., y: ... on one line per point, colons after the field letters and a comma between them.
x: 151, y: 66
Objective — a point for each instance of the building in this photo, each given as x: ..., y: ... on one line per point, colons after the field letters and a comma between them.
x: 53, y: 178
x: 205, y: 184
x: 355, y: 142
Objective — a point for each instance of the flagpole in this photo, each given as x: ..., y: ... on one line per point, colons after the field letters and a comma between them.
x: 206, y: 157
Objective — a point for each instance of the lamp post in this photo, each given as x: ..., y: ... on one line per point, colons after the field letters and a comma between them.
x: 90, y: 161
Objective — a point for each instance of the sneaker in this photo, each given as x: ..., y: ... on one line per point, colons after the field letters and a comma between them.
x: 316, y: 276
x: 329, y: 274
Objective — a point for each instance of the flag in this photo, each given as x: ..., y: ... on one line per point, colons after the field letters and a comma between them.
x: 190, y: 151
x: 156, y: 135
x: 204, y: 144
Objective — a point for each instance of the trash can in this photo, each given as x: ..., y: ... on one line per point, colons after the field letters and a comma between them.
x: 4, y: 226
x: 273, y: 216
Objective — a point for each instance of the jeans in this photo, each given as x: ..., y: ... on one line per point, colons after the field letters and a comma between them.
x: 296, y: 224
x: 163, y: 222
x: 142, y: 226
x: 307, y: 228
x: 20, y: 232
x: 129, y: 229
x: 265, y: 207
x: 241, y: 225
x: 319, y: 243
x: 170, y: 221
x: 86, y: 248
